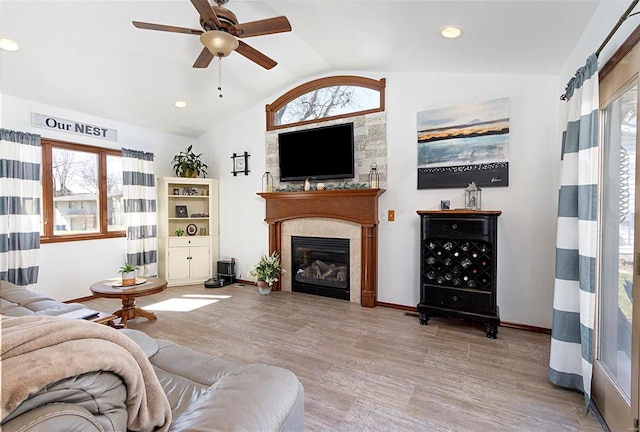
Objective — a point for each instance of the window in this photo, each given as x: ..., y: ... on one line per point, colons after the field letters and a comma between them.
x: 326, y: 98
x: 82, y: 192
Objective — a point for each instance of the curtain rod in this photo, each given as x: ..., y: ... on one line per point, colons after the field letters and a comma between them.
x: 627, y: 13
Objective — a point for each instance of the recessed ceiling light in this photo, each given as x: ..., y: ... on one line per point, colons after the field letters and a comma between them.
x: 8, y: 45
x: 451, y: 32
x: 180, y: 104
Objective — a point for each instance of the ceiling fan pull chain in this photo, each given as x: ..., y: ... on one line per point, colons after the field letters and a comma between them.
x: 220, y: 75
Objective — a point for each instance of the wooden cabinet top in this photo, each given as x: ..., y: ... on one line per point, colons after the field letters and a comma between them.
x: 460, y: 212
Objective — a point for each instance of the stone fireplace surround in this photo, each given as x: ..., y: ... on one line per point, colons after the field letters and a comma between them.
x: 321, y: 227
x: 306, y: 213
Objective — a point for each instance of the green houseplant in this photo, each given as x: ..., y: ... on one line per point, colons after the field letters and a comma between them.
x: 128, y: 274
x: 266, y: 272
x: 188, y: 164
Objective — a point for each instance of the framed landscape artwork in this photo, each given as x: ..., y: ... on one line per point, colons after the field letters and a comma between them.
x: 463, y: 144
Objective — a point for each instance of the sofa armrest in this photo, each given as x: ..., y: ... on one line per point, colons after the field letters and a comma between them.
x: 101, y: 395
x: 59, y: 417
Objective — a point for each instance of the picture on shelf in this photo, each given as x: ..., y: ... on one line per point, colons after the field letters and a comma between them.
x: 176, y: 191
x: 181, y: 211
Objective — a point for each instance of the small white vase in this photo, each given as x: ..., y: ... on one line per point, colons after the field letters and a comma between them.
x: 129, y: 278
x: 264, y: 288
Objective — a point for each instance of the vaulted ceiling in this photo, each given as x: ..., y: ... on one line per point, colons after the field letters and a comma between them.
x: 87, y: 56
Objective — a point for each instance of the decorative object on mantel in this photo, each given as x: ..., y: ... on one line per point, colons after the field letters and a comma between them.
x: 128, y: 274
x: 266, y: 272
x: 267, y: 182
x: 374, y: 178
x: 240, y: 163
x: 341, y: 186
x: 472, y: 197
x: 307, y: 185
x: 188, y: 164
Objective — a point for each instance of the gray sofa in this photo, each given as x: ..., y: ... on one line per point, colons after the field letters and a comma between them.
x: 205, y: 393
x: 17, y: 301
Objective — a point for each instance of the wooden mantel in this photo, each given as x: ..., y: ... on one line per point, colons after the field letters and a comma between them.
x: 352, y: 205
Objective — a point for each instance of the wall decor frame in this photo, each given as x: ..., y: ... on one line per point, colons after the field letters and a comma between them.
x: 181, y: 211
x: 240, y: 163
x: 192, y: 229
x: 463, y: 144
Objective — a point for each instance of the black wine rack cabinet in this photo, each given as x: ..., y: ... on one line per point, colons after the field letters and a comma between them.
x: 458, y: 257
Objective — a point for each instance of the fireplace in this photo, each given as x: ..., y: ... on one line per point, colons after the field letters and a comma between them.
x: 356, y: 206
x: 320, y: 266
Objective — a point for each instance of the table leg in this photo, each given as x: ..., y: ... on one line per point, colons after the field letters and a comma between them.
x: 130, y: 311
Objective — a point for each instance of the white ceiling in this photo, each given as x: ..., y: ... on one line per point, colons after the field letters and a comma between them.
x: 87, y: 56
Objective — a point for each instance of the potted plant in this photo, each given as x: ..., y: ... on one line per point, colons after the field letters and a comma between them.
x: 128, y: 274
x: 266, y: 272
x: 188, y: 164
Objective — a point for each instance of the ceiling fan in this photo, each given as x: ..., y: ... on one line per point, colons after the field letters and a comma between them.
x: 221, y: 31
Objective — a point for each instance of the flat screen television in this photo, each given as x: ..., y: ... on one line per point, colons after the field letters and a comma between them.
x: 321, y: 153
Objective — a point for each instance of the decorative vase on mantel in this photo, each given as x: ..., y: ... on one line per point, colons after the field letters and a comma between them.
x: 264, y: 288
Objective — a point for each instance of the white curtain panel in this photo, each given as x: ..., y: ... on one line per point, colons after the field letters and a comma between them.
x: 20, y: 198
x: 140, y: 211
x: 571, y: 359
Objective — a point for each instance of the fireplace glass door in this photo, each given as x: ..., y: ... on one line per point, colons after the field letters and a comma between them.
x: 320, y: 266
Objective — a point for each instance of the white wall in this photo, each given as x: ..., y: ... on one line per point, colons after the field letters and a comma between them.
x: 68, y: 269
x: 526, y: 249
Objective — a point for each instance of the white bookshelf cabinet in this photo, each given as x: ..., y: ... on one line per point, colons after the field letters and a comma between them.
x: 190, y: 205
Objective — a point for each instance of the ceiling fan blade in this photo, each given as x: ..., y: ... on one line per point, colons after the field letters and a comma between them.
x: 261, y: 27
x: 206, y: 12
x: 161, y: 27
x: 203, y: 59
x: 255, y: 55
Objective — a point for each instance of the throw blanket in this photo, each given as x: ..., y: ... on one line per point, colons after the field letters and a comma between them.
x: 40, y: 350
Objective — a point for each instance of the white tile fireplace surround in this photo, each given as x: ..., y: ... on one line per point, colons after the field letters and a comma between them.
x: 321, y: 227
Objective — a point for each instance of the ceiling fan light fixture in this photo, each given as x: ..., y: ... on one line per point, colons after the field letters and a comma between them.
x: 451, y: 32
x: 219, y: 43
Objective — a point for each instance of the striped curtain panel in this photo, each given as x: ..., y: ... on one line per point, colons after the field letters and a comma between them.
x: 574, y: 302
x: 20, y: 198
x: 140, y: 211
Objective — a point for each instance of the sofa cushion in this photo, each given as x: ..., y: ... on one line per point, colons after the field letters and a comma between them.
x: 255, y: 397
x: 186, y: 374
x: 18, y: 301
x: 149, y: 346
x: 208, y: 393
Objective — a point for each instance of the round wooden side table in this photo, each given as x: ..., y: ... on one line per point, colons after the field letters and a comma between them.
x: 110, y: 288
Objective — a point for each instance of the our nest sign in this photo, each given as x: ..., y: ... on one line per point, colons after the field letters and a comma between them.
x: 70, y: 126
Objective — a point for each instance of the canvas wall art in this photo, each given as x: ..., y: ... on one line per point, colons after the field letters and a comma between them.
x: 465, y: 143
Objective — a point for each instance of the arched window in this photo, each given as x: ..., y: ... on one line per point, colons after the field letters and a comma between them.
x: 326, y: 98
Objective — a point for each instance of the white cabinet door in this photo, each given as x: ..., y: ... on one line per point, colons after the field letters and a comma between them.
x: 178, y: 263
x: 200, y: 263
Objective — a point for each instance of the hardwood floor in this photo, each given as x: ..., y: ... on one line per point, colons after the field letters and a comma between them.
x: 376, y: 369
